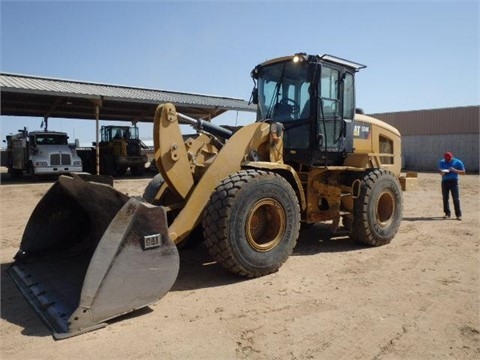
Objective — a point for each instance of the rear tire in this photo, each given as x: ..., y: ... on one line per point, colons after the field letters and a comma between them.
x: 378, y: 209
x: 251, y: 223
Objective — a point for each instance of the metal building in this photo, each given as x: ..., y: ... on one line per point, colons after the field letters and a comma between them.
x: 428, y: 134
x: 27, y: 95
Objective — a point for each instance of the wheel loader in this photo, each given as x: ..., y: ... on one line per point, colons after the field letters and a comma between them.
x: 90, y: 253
x: 120, y: 149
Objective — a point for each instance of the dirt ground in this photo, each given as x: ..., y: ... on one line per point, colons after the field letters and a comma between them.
x: 416, y: 298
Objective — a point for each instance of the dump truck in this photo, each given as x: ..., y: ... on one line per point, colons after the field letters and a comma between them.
x: 90, y: 253
x: 120, y: 149
x: 38, y: 153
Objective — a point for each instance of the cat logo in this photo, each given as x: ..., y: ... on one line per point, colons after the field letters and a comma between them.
x: 361, y: 131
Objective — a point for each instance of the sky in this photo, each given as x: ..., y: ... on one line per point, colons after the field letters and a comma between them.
x: 419, y: 54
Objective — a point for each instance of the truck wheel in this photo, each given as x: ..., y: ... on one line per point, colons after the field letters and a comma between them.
x: 378, y: 209
x: 15, y: 173
x: 137, y: 170
x: 252, y: 222
x: 120, y: 170
x: 31, y: 172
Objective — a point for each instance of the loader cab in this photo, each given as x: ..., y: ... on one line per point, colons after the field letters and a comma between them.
x: 110, y: 133
x: 314, y: 98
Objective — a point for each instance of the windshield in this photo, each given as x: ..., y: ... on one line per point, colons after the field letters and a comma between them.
x: 50, y: 139
x: 119, y: 132
x: 283, y: 92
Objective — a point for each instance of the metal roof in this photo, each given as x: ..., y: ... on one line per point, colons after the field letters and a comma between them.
x: 25, y: 95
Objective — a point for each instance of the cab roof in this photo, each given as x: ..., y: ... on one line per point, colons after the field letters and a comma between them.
x: 316, y: 58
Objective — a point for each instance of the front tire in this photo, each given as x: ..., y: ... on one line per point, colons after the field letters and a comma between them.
x: 378, y: 209
x: 252, y: 222
x: 196, y: 235
x: 152, y: 188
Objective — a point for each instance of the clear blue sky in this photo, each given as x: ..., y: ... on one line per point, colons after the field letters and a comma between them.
x: 419, y: 54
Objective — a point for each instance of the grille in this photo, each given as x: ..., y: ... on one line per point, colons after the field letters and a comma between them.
x: 60, y: 159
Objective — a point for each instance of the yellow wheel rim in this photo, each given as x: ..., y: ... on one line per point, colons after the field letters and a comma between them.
x: 265, y: 225
x: 385, y: 208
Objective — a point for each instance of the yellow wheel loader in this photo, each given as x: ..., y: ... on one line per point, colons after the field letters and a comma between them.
x: 90, y: 253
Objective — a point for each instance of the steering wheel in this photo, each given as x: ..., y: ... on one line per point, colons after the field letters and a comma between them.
x: 292, y: 104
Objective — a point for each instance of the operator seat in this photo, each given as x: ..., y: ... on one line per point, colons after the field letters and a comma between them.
x: 306, y: 110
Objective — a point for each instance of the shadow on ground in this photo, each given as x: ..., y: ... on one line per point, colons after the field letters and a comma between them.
x: 197, y: 270
x: 16, y: 310
x: 6, y: 179
x: 423, y: 218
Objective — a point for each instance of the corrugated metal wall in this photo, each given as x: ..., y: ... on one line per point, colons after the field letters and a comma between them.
x: 423, y: 152
x: 427, y: 134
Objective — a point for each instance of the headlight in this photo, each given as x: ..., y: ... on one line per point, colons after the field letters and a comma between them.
x: 300, y: 57
x: 77, y: 163
x: 41, y: 163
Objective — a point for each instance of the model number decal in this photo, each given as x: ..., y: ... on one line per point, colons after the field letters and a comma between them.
x: 361, y: 131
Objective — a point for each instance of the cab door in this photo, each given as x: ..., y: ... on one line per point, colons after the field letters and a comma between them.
x: 335, y: 109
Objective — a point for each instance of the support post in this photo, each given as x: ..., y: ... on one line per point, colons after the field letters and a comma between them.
x: 97, y: 146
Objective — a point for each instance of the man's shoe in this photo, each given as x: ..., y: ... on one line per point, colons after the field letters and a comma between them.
x: 446, y: 216
x: 459, y: 218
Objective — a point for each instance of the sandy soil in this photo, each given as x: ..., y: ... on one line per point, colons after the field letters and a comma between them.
x: 416, y: 298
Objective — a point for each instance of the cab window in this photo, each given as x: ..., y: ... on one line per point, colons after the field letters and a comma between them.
x: 329, y: 86
x: 348, y: 97
x: 329, y: 124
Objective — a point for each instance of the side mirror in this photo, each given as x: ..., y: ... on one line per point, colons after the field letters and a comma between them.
x: 255, y: 96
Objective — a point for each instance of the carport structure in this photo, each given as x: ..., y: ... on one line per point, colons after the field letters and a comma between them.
x: 25, y: 95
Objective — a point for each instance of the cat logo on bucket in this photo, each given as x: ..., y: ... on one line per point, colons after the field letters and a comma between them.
x: 151, y: 241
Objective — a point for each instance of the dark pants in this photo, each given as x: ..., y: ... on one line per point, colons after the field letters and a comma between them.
x: 451, y: 186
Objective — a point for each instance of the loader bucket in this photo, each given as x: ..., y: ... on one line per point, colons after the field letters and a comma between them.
x: 90, y: 253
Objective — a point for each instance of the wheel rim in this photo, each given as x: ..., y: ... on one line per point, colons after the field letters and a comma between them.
x: 385, y: 208
x: 265, y: 225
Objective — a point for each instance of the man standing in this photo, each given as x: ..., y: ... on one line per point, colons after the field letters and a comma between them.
x: 450, y: 168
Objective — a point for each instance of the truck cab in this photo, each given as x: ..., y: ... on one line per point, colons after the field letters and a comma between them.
x: 41, y: 153
x: 51, y: 154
